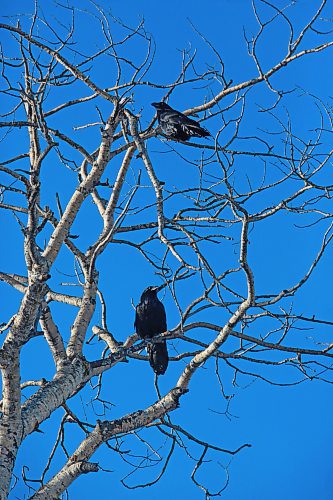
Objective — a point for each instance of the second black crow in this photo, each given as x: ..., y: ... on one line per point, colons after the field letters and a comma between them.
x: 177, y: 126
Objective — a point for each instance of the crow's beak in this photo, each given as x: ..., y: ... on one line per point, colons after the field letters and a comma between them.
x: 155, y: 104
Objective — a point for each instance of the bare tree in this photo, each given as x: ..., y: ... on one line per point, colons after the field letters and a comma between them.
x: 63, y: 123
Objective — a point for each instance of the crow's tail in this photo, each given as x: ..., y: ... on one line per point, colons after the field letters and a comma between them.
x: 158, y: 357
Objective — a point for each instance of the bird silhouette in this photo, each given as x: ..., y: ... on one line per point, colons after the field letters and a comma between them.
x: 150, y: 320
x: 175, y: 125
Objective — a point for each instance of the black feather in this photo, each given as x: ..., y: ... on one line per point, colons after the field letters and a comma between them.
x: 150, y: 320
x: 175, y: 125
x: 158, y: 357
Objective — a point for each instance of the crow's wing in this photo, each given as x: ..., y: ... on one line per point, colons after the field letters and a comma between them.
x: 175, y: 123
x: 170, y: 129
x: 138, y: 322
x: 158, y: 318
x: 194, y: 128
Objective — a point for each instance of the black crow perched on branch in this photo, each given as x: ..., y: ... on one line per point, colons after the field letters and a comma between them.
x: 150, y: 320
x: 175, y: 125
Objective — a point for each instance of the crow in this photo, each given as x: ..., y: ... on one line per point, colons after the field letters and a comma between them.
x: 150, y: 320
x: 174, y: 125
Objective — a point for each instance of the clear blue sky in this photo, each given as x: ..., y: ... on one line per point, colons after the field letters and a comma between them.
x: 290, y: 428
